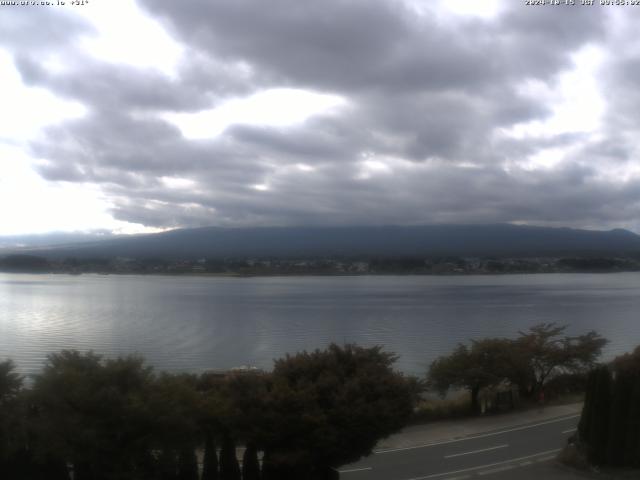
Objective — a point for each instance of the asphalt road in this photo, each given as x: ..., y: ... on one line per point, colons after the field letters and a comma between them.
x: 488, y: 455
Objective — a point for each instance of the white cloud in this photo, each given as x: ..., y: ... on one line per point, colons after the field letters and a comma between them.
x: 178, y: 183
x: 275, y: 107
x: 25, y: 110
x: 575, y: 99
x: 479, y: 8
x: 126, y: 35
x: 29, y: 204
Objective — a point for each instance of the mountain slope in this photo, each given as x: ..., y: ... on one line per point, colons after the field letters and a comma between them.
x: 365, y: 241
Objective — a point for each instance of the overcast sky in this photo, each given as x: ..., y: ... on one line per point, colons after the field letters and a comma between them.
x: 141, y: 116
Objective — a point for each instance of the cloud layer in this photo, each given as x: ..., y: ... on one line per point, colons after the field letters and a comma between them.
x: 443, y: 117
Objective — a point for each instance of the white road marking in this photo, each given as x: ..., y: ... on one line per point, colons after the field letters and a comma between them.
x: 570, y: 430
x: 496, y: 470
x: 476, y: 451
x: 484, y: 435
x: 480, y: 467
x: 351, y: 470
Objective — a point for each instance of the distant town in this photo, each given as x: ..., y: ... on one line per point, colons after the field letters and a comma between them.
x: 318, y: 266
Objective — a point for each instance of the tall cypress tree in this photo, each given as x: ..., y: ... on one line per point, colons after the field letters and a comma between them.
x: 632, y: 444
x: 618, y: 419
x: 229, y: 468
x: 187, y: 465
x: 586, y: 419
x: 250, y: 464
x: 599, y: 434
x: 167, y: 465
x: 210, y: 461
x: 267, y: 471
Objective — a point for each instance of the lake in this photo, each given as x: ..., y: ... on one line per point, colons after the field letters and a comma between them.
x: 198, y: 323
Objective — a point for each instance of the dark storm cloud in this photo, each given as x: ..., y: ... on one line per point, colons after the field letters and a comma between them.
x: 110, y: 147
x: 358, y: 45
x: 439, y: 92
x: 425, y: 96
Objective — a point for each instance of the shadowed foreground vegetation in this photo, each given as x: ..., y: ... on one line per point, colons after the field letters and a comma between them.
x: 609, y: 430
x: 108, y: 419
x: 118, y: 419
x: 540, y: 361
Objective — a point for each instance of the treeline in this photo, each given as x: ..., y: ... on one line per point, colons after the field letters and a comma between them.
x: 89, y: 418
x: 318, y: 266
x: 540, y: 359
x: 609, y: 429
x: 24, y: 263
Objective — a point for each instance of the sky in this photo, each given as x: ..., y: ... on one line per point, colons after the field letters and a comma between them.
x: 131, y: 116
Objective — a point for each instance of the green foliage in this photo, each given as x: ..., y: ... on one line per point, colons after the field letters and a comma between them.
x: 242, y: 401
x: 629, y: 362
x: 187, y: 464
x: 610, y: 423
x: 229, y: 467
x: 548, y: 353
x: 433, y: 409
x: 12, y: 425
x: 487, y: 362
x: 600, y: 420
x: 10, y: 381
x: 94, y: 413
x: 24, y: 263
x: 250, y: 464
x: 174, y: 406
x: 330, y: 407
x: 210, y: 460
x: 117, y: 420
x: 537, y: 355
x: 632, y: 443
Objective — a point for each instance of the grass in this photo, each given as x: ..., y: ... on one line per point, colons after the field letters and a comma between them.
x: 436, y: 408
x: 458, y: 405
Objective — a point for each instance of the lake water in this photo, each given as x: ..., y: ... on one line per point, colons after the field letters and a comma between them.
x: 198, y: 323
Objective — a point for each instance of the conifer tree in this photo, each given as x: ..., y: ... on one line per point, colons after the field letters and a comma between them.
x: 250, y: 464
x: 586, y: 419
x: 617, y: 435
x: 210, y: 461
x: 168, y: 466
x: 599, y: 434
x: 229, y: 468
x: 187, y: 465
x: 632, y: 443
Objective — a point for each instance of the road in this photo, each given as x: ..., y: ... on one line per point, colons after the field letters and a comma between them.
x: 487, y: 455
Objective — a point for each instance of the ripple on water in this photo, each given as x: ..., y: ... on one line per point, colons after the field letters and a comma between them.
x: 192, y: 324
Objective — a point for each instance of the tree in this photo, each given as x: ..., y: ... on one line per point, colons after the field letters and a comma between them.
x: 601, y: 404
x: 487, y: 362
x: 210, y: 460
x: 229, y: 467
x: 330, y: 407
x: 174, y: 405
x: 621, y: 393
x: 629, y: 362
x: 632, y: 448
x: 250, y: 464
x: 547, y: 353
x: 609, y: 427
x: 11, y: 417
x: 187, y: 464
x: 93, y: 414
x: 10, y: 381
x: 528, y: 362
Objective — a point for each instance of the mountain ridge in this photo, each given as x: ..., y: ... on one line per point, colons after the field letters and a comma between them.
x: 502, y: 240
